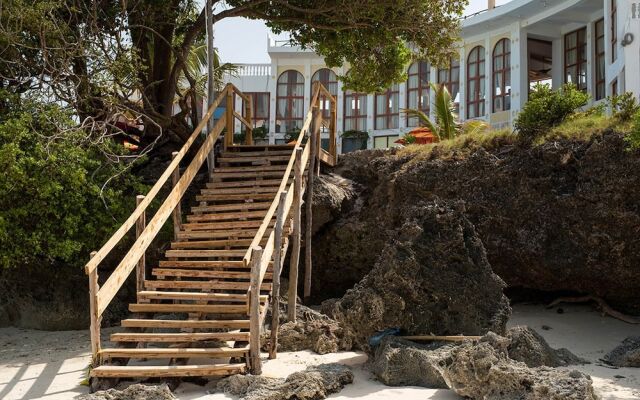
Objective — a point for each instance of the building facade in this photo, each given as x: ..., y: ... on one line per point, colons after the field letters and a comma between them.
x: 504, y: 51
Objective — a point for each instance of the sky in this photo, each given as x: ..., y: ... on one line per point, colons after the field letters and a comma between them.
x: 243, y: 41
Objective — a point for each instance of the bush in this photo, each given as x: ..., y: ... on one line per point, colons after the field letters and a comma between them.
x: 624, y: 106
x: 634, y: 137
x: 547, y: 108
x: 52, y: 211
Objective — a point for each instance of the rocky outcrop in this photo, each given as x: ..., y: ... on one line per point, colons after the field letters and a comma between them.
x: 551, y: 217
x: 424, y: 280
x: 311, y: 331
x: 625, y: 355
x: 314, y: 383
x: 331, y: 195
x: 484, y: 371
x: 133, y: 392
x: 527, y: 346
x: 399, y: 362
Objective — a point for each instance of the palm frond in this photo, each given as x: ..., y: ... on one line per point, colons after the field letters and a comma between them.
x: 475, y: 126
x: 445, y: 112
x: 423, y: 120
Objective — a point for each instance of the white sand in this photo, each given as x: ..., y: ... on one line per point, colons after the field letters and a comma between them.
x: 51, y: 365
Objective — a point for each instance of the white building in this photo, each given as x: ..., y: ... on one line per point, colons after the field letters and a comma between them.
x: 503, y: 52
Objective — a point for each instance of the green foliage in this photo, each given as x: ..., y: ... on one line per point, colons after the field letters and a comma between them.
x: 408, y: 139
x: 624, y: 106
x: 356, y: 134
x: 53, y: 207
x: 633, y: 138
x: 547, y: 108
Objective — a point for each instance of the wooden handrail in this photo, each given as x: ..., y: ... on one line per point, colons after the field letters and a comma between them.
x: 153, y: 192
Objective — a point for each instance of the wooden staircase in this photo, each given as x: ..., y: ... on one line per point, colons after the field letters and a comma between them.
x: 201, y: 310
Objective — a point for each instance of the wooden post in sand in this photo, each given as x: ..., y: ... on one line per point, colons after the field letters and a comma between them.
x: 277, y: 266
x: 297, y: 234
x: 315, y: 133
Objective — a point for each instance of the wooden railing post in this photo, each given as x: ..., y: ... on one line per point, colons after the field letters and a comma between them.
x: 277, y: 269
x: 228, y: 137
x: 295, y: 253
x: 141, y: 224
x: 248, y: 115
x: 315, y: 133
x: 94, y: 329
x: 332, y: 131
x: 255, y: 365
x: 176, y: 215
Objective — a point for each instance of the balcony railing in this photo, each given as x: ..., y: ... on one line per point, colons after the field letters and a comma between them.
x: 253, y: 69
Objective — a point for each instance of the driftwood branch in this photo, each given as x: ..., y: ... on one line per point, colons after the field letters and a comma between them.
x: 606, y: 309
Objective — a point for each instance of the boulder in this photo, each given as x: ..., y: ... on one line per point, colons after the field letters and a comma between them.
x: 625, y: 355
x: 331, y: 195
x: 133, y: 392
x: 526, y: 345
x: 484, y: 371
x: 311, y: 331
x: 433, y: 277
x: 314, y: 383
x: 399, y: 362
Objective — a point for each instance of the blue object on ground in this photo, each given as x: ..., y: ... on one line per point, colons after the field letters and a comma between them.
x: 375, y: 340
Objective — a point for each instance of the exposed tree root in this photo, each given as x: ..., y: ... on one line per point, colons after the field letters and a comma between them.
x: 606, y: 309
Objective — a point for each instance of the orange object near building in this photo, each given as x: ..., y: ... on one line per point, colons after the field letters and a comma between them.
x: 423, y: 136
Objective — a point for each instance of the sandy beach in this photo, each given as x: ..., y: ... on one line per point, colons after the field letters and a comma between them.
x: 52, y: 365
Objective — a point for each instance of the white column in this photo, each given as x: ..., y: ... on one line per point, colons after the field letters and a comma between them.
x: 557, y: 66
x: 433, y: 78
x: 591, y: 72
x: 402, y: 103
x: 463, y: 84
x: 488, y: 78
x: 629, y: 54
x: 340, y: 112
x: 307, y: 85
x: 273, y: 79
x: 519, y: 72
x: 371, y: 118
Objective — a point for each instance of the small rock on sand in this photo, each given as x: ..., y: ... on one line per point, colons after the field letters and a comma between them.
x: 625, y: 355
x: 314, y: 383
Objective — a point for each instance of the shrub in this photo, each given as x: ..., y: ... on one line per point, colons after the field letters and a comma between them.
x: 624, y: 106
x: 53, y: 209
x: 634, y: 137
x: 547, y: 108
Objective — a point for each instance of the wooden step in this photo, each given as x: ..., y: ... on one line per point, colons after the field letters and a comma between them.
x: 268, y: 153
x: 211, y: 244
x: 205, y: 274
x: 194, y: 324
x: 234, y: 197
x: 216, y: 234
x: 195, y: 226
x: 204, y: 253
x: 179, y: 337
x: 250, y: 190
x: 222, y: 352
x: 255, y: 160
x: 238, y: 184
x: 203, y: 285
x: 111, y: 371
x: 228, y: 216
x: 249, y: 168
x: 199, y: 296
x: 202, y: 264
x: 241, y: 207
x: 247, y: 175
x: 188, y: 308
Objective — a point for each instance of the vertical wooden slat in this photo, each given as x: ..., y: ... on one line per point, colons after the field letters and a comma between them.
x: 332, y: 131
x: 295, y: 252
x: 248, y: 115
x: 315, y: 133
x: 141, y: 223
x: 277, y: 267
x: 255, y: 365
x: 228, y: 137
x: 94, y: 329
x: 176, y: 215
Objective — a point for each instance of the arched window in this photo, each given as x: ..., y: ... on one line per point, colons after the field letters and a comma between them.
x: 290, y: 102
x: 450, y: 77
x: 387, y: 110
x: 502, y: 76
x: 475, y: 83
x: 418, y: 90
x: 329, y: 80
